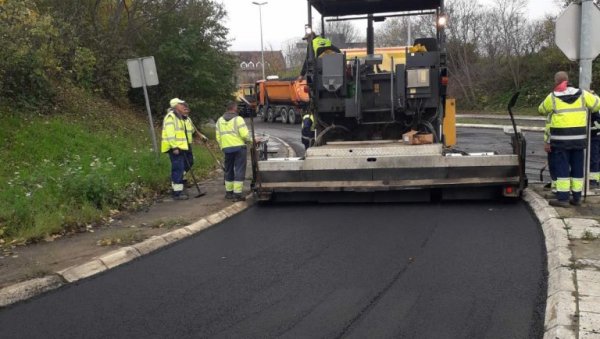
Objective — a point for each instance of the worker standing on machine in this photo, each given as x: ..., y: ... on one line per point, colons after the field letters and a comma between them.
x: 321, y: 46
x: 308, y: 130
x: 232, y: 136
x: 568, y: 136
x: 177, y: 136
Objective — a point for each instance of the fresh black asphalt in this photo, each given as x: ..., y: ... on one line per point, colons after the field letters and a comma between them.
x: 443, y: 270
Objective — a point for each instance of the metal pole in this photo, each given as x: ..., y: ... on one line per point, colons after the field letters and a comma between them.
x: 370, y: 35
x: 585, y: 62
x: 152, y: 132
x: 262, y: 49
x: 585, y: 73
x: 409, y: 38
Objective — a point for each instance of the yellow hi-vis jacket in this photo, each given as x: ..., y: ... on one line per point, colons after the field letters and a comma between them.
x: 232, y: 132
x: 320, y: 42
x: 308, y: 133
x: 174, y: 132
x: 567, y: 120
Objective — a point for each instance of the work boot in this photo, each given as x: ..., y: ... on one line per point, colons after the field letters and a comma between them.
x: 575, y: 202
x: 238, y: 197
x: 181, y: 196
x: 229, y: 195
x: 559, y: 203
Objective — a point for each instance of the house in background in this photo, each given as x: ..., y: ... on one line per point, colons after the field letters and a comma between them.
x: 249, y: 65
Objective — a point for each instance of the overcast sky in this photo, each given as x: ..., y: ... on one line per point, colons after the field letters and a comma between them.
x: 285, y: 19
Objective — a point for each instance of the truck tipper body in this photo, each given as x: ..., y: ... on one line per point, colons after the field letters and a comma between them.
x: 285, y: 100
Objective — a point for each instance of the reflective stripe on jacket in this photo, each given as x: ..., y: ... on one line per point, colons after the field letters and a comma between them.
x: 232, y: 133
x: 174, y: 132
x: 566, y: 123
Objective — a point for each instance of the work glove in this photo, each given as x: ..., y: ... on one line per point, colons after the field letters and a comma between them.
x: 596, y: 126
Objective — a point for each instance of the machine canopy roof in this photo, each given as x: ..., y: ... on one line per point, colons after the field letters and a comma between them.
x: 356, y: 7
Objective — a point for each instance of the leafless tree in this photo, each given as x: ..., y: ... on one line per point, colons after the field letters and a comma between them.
x: 294, y: 51
x: 342, y: 32
x: 464, y: 34
x: 394, y: 31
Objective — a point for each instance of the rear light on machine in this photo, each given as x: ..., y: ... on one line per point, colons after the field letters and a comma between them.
x: 508, y: 190
x: 444, y: 81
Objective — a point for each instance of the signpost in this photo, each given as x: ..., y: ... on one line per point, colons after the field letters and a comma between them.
x: 142, y: 73
x: 577, y: 36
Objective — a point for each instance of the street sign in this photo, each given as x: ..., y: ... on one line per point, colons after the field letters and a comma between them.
x: 568, y: 32
x: 142, y: 73
x: 147, y: 71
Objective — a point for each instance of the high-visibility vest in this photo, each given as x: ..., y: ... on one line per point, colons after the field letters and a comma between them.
x: 567, y: 122
x: 320, y: 42
x: 174, y: 132
x: 232, y: 133
x: 308, y: 134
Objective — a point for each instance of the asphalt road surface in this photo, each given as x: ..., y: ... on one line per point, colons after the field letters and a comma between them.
x: 317, y: 271
x: 438, y: 270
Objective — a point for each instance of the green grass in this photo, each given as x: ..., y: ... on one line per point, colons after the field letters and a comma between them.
x: 68, y: 170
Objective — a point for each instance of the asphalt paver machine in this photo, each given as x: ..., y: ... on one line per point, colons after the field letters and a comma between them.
x: 367, y: 121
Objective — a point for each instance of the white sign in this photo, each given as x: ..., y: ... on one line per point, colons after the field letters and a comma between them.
x: 140, y: 69
x: 568, y: 31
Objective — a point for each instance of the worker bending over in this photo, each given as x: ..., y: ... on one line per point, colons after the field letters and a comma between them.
x: 177, y: 137
x: 568, y: 107
x: 232, y: 136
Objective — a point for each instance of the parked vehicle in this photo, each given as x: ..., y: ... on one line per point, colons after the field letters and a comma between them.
x: 283, y: 99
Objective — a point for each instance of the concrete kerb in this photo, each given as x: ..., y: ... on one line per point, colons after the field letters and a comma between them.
x: 27, y: 289
x: 561, y: 304
x: 491, y: 126
x: 290, y: 151
x: 30, y: 288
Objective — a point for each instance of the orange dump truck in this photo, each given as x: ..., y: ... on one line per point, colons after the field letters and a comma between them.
x: 284, y: 99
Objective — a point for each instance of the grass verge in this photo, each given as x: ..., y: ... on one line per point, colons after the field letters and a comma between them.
x: 67, y: 170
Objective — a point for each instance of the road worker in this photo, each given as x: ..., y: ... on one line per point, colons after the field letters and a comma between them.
x: 568, y: 107
x: 232, y: 136
x: 177, y: 137
x: 308, y: 130
x: 321, y: 46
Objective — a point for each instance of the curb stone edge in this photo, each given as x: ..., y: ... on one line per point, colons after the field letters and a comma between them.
x: 561, y: 300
